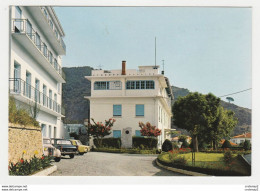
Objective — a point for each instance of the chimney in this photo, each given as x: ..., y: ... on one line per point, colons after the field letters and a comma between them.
x: 123, y: 67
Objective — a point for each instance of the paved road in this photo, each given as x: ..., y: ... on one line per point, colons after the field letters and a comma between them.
x: 110, y: 164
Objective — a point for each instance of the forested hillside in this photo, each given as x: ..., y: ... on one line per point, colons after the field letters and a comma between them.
x: 77, y: 108
x: 73, y: 92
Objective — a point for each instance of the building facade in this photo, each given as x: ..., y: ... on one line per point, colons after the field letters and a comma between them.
x: 239, y: 139
x: 131, y: 96
x: 35, y: 73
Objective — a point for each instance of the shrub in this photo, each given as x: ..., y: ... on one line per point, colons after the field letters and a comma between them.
x: 226, y: 144
x: 175, y: 145
x: 109, y: 142
x: 185, y: 144
x: 144, y: 142
x: 228, y: 157
x: 167, y: 145
x: 20, y: 116
x: 247, y: 145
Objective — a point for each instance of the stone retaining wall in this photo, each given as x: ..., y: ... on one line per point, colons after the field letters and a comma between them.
x: 24, y: 139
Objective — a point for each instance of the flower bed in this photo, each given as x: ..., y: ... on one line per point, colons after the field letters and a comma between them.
x: 206, y: 163
x: 28, y: 167
x: 130, y: 151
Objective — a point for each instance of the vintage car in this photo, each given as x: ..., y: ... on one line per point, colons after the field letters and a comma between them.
x: 49, y: 150
x: 64, y: 146
x: 81, y: 148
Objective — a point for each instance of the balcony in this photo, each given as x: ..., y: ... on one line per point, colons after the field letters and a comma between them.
x: 46, y: 24
x: 26, y: 93
x: 24, y: 33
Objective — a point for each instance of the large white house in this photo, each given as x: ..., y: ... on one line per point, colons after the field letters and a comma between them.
x: 131, y: 96
x: 35, y: 74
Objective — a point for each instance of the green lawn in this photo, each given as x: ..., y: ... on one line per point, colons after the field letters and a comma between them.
x: 206, y: 160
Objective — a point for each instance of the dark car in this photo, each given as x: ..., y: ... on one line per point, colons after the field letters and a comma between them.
x: 65, y: 147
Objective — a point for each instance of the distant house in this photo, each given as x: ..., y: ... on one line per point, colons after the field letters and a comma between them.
x: 131, y: 96
x: 241, y: 138
x: 231, y: 142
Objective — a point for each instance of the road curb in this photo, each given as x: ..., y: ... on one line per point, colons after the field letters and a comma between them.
x: 186, y: 172
x: 46, y: 171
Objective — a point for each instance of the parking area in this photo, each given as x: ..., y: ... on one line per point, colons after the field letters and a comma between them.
x: 110, y: 164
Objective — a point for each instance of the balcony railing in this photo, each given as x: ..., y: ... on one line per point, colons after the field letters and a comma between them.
x: 19, y: 86
x: 23, y: 26
x: 50, y: 22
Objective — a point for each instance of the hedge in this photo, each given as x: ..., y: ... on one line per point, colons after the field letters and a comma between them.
x: 130, y: 151
x: 110, y: 142
x: 144, y: 142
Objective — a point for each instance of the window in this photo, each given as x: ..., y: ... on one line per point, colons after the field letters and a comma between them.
x: 108, y: 85
x: 139, y: 110
x: 18, y: 23
x: 116, y: 133
x: 55, y: 102
x: 38, y: 41
x: 55, y: 132
x: 58, y: 87
x: 44, y: 88
x: 50, y: 99
x: 51, y: 58
x: 55, y: 64
x: 29, y: 29
x: 140, y: 84
x: 28, y: 85
x: 17, y: 75
x: 51, y: 24
x: 117, y: 110
x: 45, y: 12
x: 49, y: 131
x: 44, y: 50
x: 37, y: 92
x: 138, y: 133
x: 43, y: 127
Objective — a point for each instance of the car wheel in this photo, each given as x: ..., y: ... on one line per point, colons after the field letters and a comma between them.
x: 71, y: 156
x: 81, y: 153
x: 57, y: 159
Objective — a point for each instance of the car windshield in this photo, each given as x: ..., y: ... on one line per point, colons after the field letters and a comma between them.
x: 46, y: 141
x: 63, y: 142
x: 79, y: 142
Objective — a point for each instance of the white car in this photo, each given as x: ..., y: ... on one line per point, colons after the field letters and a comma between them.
x: 50, y: 150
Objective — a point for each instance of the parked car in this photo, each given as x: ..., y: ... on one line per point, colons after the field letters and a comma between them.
x: 49, y: 150
x: 64, y: 146
x: 81, y: 148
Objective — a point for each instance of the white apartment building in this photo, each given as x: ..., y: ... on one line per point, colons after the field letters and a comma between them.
x: 131, y: 96
x: 35, y: 74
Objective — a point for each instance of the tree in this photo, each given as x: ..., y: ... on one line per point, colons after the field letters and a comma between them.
x: 98, y: 130
x: 34, y: 108
x: 190, y: 113
x: 182, y: 138
x: 222, y: 125
x: 149, y: 130
x: 247, y: 145
x: 229, y: 99
x: 167, y: 145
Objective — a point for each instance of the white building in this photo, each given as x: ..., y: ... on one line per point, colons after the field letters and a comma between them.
x: 131, y: 96
x: 35, y: 74
x: 239, y: 139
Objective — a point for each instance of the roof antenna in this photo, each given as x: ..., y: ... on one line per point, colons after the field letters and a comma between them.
x: 155, y: 67
x: 163, y: 66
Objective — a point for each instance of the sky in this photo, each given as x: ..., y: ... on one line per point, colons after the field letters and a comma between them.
x: 204, y: 49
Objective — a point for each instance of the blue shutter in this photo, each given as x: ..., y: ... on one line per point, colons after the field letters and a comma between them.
x: 138, y: 133
x: 117, y: 110
x: 139, y: 110
x: 116, y: 133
